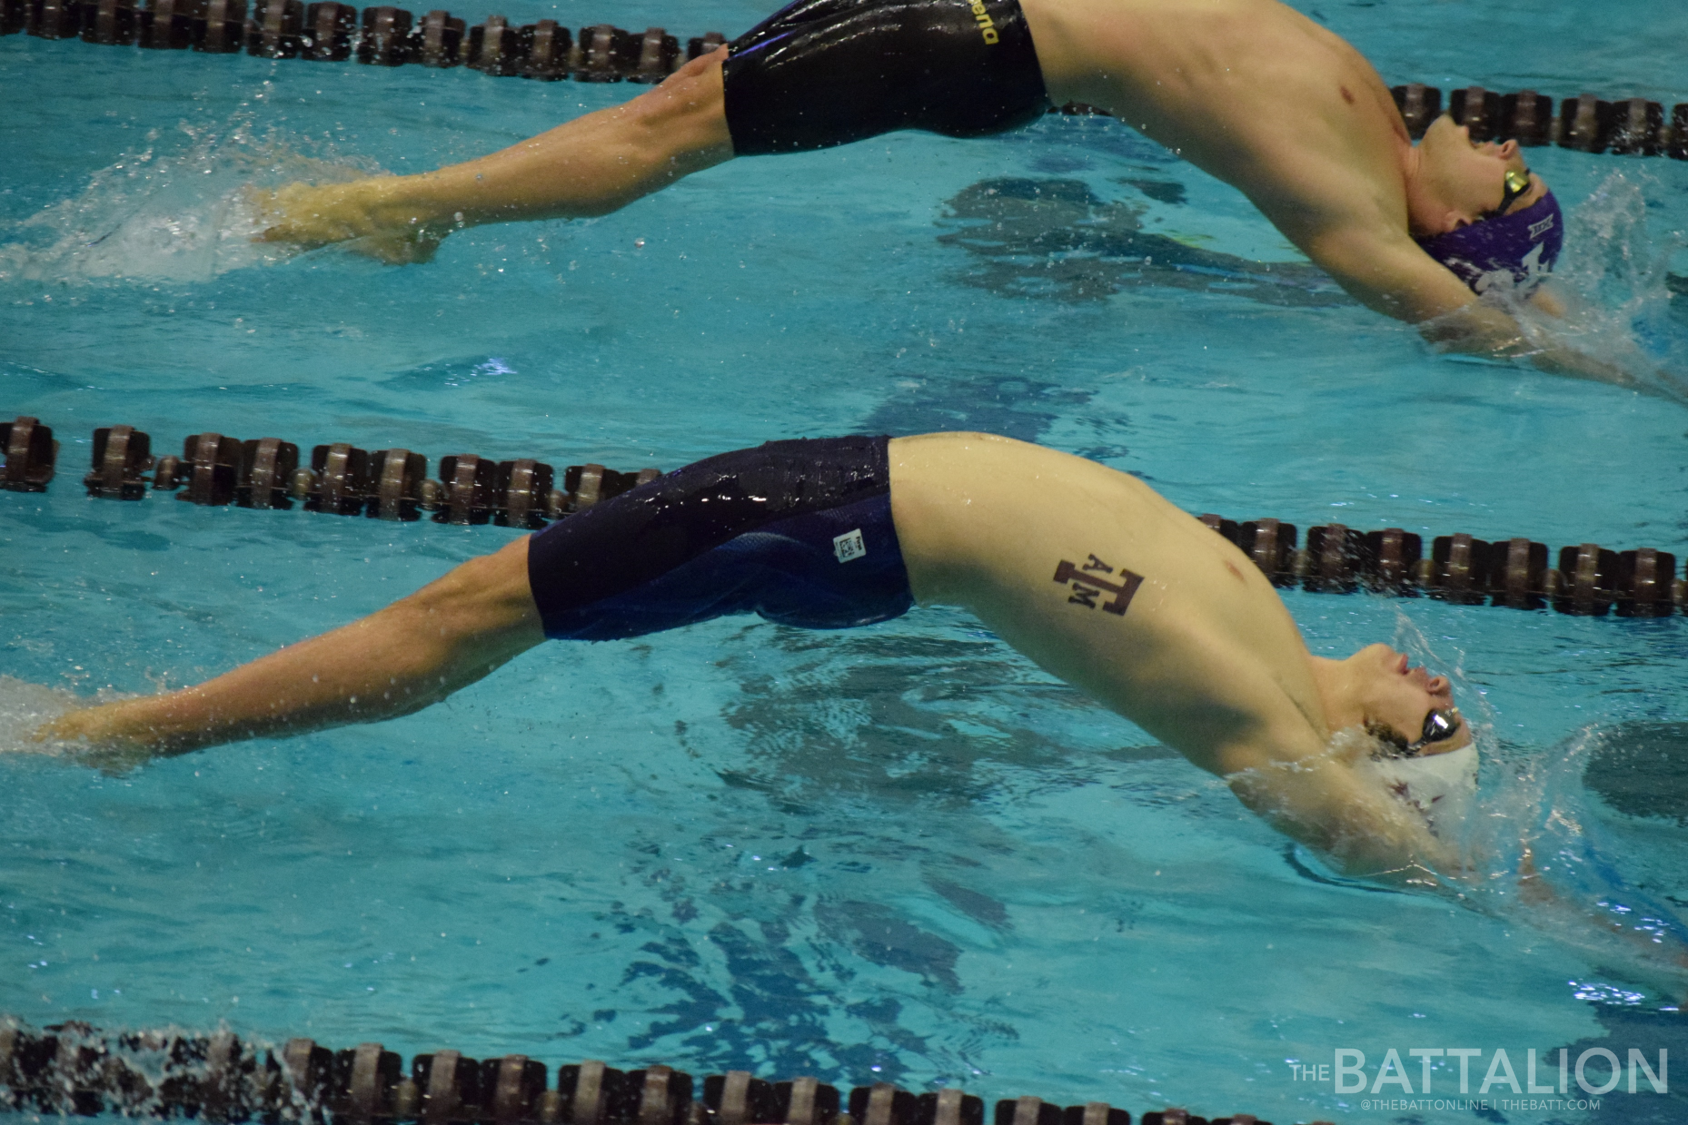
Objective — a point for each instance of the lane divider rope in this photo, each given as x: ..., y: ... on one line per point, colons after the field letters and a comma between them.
x: 75, y: 1069
x: 393, y: 484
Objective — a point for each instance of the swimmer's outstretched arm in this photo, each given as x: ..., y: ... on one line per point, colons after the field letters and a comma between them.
x: 1389, y: 273
x: 589, y: 166
x: 1318, y: 799
x: 400, y: 659
x: 1478, y: 329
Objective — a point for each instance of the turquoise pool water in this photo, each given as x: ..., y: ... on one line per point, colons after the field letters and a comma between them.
x: 901, y: 853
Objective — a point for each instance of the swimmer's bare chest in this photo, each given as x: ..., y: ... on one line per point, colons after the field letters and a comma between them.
x: 1103, y: 583
x: 1250, y: 91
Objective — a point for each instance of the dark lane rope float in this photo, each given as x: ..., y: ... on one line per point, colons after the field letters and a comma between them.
x: 74, y: 1069
x: 215, y: 470
x: 547, y: 51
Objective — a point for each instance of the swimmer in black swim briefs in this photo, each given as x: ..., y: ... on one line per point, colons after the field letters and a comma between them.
x: 1251, y: 91
x: 1084, y: 569
x: 827, y: 72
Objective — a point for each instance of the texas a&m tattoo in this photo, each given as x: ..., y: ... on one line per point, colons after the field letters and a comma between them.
x: 1087, y: 586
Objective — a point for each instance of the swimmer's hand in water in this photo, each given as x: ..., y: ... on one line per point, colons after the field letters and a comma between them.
x: 357, y: 214
x: 71, y: 727
x: 88, y: 735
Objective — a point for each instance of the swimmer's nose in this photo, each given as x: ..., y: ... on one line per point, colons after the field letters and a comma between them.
x: 1436, y: 685
x: 1509, y: 149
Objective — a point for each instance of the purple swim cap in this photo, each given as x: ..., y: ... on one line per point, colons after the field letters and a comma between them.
x: 1524, y: 244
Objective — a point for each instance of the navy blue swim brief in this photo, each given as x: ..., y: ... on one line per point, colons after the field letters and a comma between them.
x: 797, y: 531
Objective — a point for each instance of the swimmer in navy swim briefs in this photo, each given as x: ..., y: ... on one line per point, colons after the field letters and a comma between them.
x: 797, y: 531
x: 1250, y: 91
x: 1082, y: 568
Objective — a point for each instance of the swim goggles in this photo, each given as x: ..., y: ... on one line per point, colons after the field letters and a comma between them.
x: 1439, y: 726
x: 1517, y: 183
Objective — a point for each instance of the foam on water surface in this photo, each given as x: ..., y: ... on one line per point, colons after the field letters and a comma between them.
x: 183, y: 215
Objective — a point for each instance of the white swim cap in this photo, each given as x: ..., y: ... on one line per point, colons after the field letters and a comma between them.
x: 1442, y: 787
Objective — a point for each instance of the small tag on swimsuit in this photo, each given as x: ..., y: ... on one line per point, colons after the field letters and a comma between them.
x: 849, y: 546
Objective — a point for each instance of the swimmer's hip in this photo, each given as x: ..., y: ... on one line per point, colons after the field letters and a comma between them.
x: 820, y: 73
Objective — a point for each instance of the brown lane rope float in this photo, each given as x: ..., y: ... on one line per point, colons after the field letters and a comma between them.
x: 393, y: 484
x: 216, y: 470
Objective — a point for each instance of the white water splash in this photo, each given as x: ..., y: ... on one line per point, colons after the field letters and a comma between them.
x: 160, y: 216
x: 1613, y: 280
x: 1543, y: 857
x: 26, y: 706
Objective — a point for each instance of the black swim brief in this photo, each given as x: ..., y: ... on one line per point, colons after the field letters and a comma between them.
x: 828, y: 72
x: 797, y: 531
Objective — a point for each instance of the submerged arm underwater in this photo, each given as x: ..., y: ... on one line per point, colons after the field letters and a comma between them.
x: 1543, y: 854
x: 1644, y: 939
x: 1508, y: 323
x: 1540, y: 330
